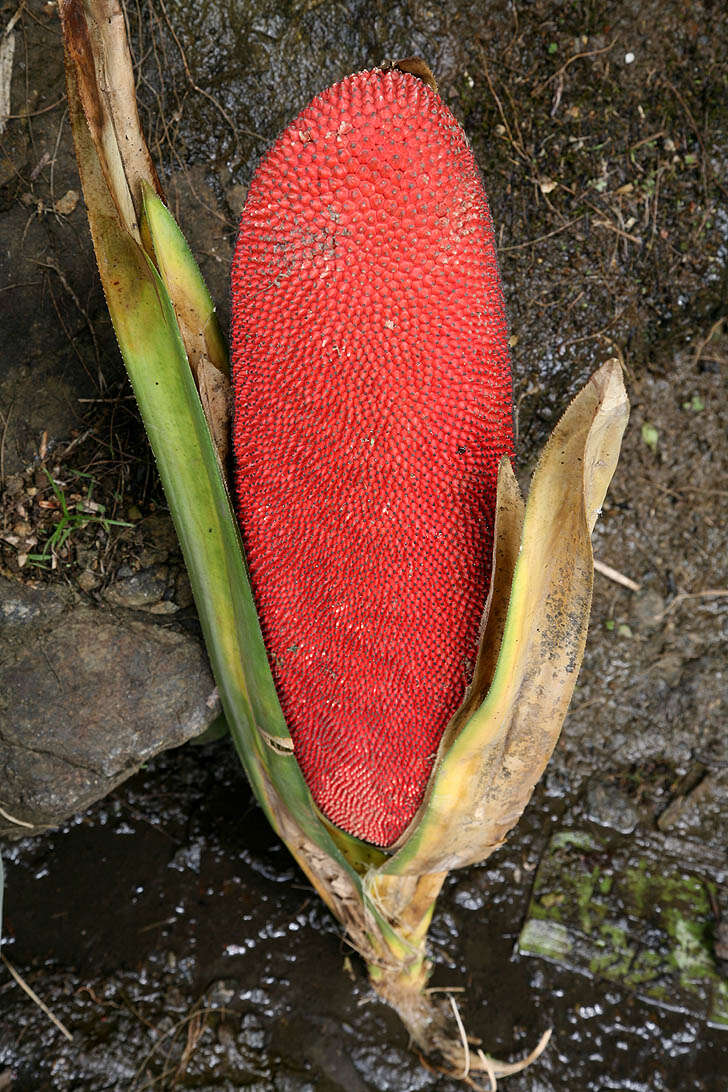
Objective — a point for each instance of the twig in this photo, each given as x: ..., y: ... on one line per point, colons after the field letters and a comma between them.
x: 540, y: 238
x: 617, y: 231
x: 501, y: 111
x: 101, y: 380
x: 709, y: 593
x: 19, y: 284
x: 598, y: 333
x: 647, y: 140
x: 3, y: 438
x: 616, y: 576
x: 705, y: 164
x: 80, y: 439
x: 702, y: 344
x: 655, y: 201
x: 13, y: 19
x: 577, y: 57
x: 52, y: 184
x: 196, y: 1012
x: 36, y: 113
x: 34, y: 997
x: 236, y: 129
x: 557, y: 95
x: 19, y: 822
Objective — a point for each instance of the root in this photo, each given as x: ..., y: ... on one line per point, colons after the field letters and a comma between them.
x: 445, y: 1049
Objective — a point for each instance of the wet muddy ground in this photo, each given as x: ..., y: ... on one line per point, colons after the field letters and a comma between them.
x: 167, y: 927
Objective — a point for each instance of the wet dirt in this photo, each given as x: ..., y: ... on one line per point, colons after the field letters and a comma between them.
x: 167, y: 928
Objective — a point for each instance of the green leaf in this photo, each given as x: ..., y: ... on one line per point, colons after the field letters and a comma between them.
x: 195, y: 312
x: 216, y: 731
x: 182, y: 277
x: 154, y: 353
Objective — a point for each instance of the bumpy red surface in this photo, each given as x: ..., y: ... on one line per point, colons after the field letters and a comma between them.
x: 373, y: 403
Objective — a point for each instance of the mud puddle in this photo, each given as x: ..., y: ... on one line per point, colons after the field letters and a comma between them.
x: 172, y: 935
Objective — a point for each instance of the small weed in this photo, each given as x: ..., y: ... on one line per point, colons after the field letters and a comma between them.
x: 74, y: 517
x: 650, y: 436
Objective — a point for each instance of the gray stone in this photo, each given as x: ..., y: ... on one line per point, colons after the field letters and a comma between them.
x: 608, y: 806
x: 720, y: 943
x: 288, y: 1082
x: 469, y: 897
x: 21, y: 604
x: 144, y: 590
x: 85, y: 698
x: 159, y: 538
x: 668, y: 668
x: 647, y: 610
x: 88, y: 581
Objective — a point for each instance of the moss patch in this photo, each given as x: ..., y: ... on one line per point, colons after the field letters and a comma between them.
x: 625, y: 911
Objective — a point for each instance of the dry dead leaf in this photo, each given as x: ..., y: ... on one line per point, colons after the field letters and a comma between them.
x: 66, y: 204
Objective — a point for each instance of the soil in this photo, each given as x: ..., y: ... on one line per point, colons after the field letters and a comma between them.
x: 166, y: 927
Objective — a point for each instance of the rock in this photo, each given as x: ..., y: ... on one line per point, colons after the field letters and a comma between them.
x: 144, y: 590
x: 85, y: 698
x: 21, y: 604
x: 693, y: 790
x: 159, y: 538
x: 88, y: 581
x: 183, y: 590
x: 49, y: 406
x: 720, y: 944
x: 235, y: 196
x: 668, y: 668
x: 469, y: 897
x: 638, y: 913
x: 647, y: 610
x: 289, y: 1082
x: 608, y: 806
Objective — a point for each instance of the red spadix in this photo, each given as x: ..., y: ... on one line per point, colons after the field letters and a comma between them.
x: 372, y: 407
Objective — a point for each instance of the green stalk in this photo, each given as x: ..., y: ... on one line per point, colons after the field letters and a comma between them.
x: 149, y: 337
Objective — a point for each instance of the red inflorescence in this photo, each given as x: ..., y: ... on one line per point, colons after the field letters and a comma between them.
x: 372, y: 406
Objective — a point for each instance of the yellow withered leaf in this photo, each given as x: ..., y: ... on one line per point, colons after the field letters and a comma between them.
x: 99, y: 63
x: 97, y: 52
x: 493, y: 755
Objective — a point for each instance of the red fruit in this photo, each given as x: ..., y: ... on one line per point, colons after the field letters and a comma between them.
x: 372, y: 406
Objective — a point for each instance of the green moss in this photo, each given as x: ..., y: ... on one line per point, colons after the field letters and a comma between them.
x: 616, y: 953
x: 648, y: 969
x: 552, y: 899
x: 545, y: 938
x: 581, y: 839
x: 690, y: 948
x: 643, y: 923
